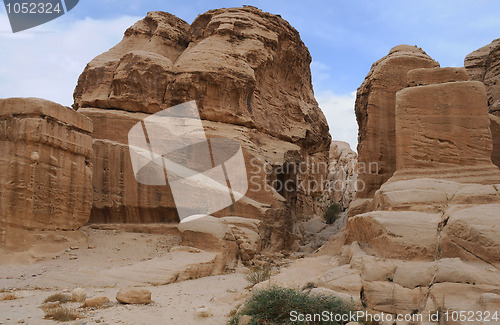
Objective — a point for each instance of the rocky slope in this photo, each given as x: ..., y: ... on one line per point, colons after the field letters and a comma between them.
x: 428, y: 243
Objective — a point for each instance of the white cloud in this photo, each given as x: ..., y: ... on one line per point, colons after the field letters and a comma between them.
x: 46, y: 61
x: 339, y: 112
x: 320, y: 72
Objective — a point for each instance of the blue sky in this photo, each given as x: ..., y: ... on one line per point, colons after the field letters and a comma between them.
x: 344, y: 38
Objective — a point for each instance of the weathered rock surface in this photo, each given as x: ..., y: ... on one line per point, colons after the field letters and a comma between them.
x: 45, y: 168
x: 375, y: 111
x: 443, y: 131
x: 429, y: 76
x: 392, y: 233
x: 428, y: 239
x: 495, y: 137
x: 342, y: 178
x: 96, y: 302
x: 232, y: 238
x: 230, y: 61
x: 133, y: 295
x: 484, y: 65
x: 474, y: 231
x: 248, y: 72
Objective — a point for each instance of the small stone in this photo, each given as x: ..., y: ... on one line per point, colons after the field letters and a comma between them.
x: 21, y: 321
x: 73, y: 257
x: 78, y: 295
x: 132, y: 295
x: 96, y: 302
x: 203, y: 312
x: 74, y: 248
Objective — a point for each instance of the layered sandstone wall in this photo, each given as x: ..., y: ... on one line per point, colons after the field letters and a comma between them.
x: 375, y: 112
x: 45, y: 167
x: 484, y: 65
x: 343, y: 177
x: 443, y: 129
x: 428, y: 241
x: 248, y: 72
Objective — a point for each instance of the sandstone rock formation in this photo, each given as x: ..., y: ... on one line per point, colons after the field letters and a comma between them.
x: 232, y: 238
x: 495, y: 135
x: 484, y: 65
x: 249, y: 74
x: 45, y: 170
x: 428, y: 241
x: 342, y: 178
x: 443, y: 130
x: 132, y: 295
x: 375, y: 112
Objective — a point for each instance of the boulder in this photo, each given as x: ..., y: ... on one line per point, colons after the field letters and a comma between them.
x: 95, y: 302
x: 211, y: 234
x: 78, y: 294
x: 45, y: 168
x: 133, y: 295
x: 392, y: 298
x: 396, y: 234
x: 475, y: 231
x: 422, y: 194
x: 375, y: 111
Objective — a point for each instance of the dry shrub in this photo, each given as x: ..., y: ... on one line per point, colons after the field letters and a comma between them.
x: 8, y: 296
x: 58, y: 297
x: 259, y: 274
x: 61, y: 314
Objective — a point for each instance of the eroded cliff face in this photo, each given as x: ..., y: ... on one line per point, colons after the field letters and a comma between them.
x: 45, y: 170
x: 343, y: 177
x: 248, y: 72
x: 376, y: 110
x: 484, y: 65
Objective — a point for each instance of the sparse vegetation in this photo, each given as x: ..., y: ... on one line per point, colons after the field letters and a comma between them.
x: 58, y: 297
x: 274, y: 304
x: 61, y: 314
x: 8, y: 296
x: 259, y: 274
x: 332, y: 213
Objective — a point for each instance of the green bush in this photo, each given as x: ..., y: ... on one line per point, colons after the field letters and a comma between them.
x: 332, y: 213
x: 274, y: 304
